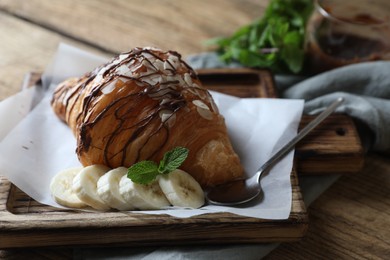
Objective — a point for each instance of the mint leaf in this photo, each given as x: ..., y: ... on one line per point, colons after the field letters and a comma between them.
x: 292, y: 53
x: 172, y: 160
x: 143, y: 172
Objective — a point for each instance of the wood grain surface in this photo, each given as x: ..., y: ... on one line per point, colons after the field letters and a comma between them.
x: 115, y: 26
x: 349, y: 221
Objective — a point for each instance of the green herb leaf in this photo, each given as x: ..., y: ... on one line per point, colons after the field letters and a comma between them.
x: 172, y: 160
x: 143, y: 172
x: 281, y: 29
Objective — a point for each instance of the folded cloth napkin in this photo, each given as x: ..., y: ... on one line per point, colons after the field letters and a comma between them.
x: 365, y: 88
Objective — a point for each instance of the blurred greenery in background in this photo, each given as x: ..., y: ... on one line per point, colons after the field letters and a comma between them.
x: 274, y: 41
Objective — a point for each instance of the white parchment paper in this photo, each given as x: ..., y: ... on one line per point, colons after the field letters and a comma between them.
x: 38, y: 144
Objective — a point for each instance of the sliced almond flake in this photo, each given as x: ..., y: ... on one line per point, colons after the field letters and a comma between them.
x: 181, y: 80
x: 178, y: 78
x: 148, y: 55
x: 157, y: 78
x: 124, y: 70
x: 152, y: 79
x: 122, y: 57
x: 193, y: 91
x: 168, y: 66
x: 130, y: 63
x: 109, y: 87
x: 159, y: 65
x: 164, y: 101
x: 205, y: 113
x: 188, y: 79
x: 137, y: 67
x: 174, y: 58
x: 172, y: 78
x: 161, y: 93
x: 172, y: 120
x: 165, y: 114
x: 174, y: 61
x: 201, y: 104
x: 163, y: 78
x: 148, y: 65
x: 197, y: 90
x: 139, y: 83
x: 168, y: 117
x: 152, y: 48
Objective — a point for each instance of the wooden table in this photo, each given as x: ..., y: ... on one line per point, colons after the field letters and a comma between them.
x: 350, y: 220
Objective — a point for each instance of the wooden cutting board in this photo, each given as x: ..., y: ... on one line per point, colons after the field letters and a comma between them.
x: 27, y: 223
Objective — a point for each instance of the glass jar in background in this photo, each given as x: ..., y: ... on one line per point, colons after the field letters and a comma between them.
x: 345, y: 32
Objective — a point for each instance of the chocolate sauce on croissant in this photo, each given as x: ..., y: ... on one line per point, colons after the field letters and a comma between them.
x: 162, y: 79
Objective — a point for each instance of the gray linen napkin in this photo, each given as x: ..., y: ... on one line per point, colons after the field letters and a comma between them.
x: 365, y: 87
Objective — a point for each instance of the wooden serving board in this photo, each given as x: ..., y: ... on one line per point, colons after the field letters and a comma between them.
x: 27, y: 223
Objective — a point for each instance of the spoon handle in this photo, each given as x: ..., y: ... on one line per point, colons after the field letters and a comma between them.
x: 287, y: 147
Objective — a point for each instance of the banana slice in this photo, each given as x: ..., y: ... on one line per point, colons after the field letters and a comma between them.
x: 61, y: 188
x: 108, y: 189
x: 85, y: 186
x: 181, y: 189
x: 142, y: 196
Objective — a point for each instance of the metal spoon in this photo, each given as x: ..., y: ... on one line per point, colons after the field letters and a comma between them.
x: 244, y: 190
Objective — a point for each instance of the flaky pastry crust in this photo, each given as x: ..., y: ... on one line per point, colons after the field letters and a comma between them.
x: 142, y: 104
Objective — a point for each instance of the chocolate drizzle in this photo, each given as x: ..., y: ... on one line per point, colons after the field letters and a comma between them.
x: 158, y: 81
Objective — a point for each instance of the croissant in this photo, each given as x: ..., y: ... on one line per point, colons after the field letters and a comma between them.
x: 142, y: 104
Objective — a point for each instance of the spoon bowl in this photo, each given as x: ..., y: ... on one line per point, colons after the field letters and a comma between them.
x: 244, y: 190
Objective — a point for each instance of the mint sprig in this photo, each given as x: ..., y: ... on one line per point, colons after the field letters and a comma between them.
x: 145, y: 172
x: 172, y: 160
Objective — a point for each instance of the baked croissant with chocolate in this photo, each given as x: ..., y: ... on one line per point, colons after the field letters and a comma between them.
x: 142, y: 104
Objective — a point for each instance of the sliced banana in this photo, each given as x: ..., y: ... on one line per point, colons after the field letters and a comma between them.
x: 85, y: 186
x: 142, y: 196
x: 108, y: 189
x: 61, y: 188
x: 181, y: 189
